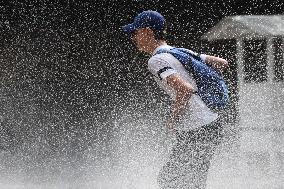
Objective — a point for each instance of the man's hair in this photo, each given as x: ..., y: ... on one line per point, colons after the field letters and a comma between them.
x: 160, y: 34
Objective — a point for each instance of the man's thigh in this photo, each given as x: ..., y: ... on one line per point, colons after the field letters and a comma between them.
x: 188, y: 163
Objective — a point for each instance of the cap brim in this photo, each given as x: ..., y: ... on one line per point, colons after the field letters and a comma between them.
x: 129, y: 28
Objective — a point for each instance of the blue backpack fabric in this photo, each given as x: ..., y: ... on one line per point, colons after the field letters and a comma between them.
x: 211, y: 86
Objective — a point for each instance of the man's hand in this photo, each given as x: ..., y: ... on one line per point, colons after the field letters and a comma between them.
x: 170, y: 124
x: 170, y: 127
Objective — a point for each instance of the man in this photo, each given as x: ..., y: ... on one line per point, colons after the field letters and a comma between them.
x: 197, y: 128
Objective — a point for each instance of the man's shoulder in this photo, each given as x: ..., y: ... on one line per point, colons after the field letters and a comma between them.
x: 162, y: 60
x: 157, y: 58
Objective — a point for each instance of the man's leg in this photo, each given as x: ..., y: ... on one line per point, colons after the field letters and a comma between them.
x: 190, y: 159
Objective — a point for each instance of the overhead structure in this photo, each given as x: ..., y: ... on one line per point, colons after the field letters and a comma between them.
x: 261, y: 101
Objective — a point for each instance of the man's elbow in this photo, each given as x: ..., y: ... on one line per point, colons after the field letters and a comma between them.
x: 220, y: 64
x: 224, y: 64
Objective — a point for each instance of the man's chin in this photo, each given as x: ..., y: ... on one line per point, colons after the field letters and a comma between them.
x: 143, y: 50
x: 140, y: 49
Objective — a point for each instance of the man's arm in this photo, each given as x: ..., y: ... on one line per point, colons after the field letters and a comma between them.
x: 216, y: 62
x: 184, y: 91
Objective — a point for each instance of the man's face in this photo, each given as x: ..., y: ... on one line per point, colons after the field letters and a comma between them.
x: 141, y: 38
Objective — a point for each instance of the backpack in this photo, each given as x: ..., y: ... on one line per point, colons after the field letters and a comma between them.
x: 211, y: 86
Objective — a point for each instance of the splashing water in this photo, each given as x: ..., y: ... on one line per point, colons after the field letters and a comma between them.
x: 78, y: 111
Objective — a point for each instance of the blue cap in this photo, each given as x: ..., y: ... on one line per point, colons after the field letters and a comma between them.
x: 151, y: 19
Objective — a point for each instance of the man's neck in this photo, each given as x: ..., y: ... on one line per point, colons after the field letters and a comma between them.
x: 155, y: 45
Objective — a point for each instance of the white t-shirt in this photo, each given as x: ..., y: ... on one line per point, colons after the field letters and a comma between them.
x: 197, y: 114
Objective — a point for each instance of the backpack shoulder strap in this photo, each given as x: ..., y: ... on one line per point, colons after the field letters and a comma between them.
x: 178, y: 53
x: 181, y: 54
x: 163, y: 51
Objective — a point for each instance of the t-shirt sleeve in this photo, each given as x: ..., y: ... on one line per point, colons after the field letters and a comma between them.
x: 160, y: 68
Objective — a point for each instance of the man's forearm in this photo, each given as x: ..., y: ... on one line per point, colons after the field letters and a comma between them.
x: 216, y: 62
x: 184, y: 91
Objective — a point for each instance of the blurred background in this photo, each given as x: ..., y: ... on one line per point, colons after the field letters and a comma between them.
x: 78, y: 106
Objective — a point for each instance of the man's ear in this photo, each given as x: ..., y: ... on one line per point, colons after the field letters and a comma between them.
x: 149, y: 31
